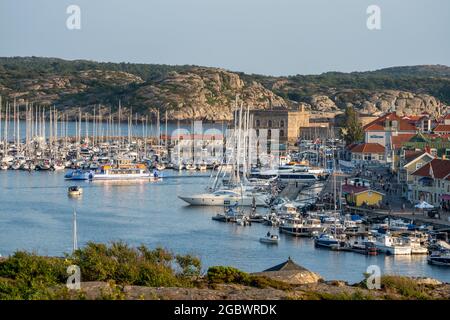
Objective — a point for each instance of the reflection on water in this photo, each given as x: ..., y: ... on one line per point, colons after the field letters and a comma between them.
x: 36, y: 214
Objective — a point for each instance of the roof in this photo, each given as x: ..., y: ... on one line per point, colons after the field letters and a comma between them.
x: 447, y: 116
x: 398, y: 141
x: 436, y: 168
x: 290, y: 272
x: 348, y: 188
x: 414, y: 118
x: 370, y: 190
x: 442, y: 128
x: 368, y: 148
x: 288, y: 265
x: 378, y: 124
x: 411, y: 155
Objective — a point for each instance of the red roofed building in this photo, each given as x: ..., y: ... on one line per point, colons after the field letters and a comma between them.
x: 385, y: 128
x: 431, y: 182
x: 421, y: 122
x: 442, y: 129
x: 368, y: 153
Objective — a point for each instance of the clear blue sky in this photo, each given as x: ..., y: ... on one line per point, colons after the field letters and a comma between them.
x: 278, y: 37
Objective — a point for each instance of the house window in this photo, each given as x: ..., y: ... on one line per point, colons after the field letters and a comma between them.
x: 418, y: 165
x: 281, y: 133
x: 258, y: 123
x: 381, y: 156
x: 269, y: 134
x: 282, y: 123
x: 270, y: 124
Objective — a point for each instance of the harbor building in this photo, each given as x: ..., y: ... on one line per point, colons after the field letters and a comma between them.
x: 431, y: 183
x: 360, y: 195
x: 287, y: 121
x: 367, y: 153
x: 385, y: 128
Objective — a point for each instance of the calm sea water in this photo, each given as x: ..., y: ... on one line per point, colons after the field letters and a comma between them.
x: 36, y: 214
x: 137, y: 130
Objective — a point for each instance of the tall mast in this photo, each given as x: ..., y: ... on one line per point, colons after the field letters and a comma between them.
x: 74, y: 232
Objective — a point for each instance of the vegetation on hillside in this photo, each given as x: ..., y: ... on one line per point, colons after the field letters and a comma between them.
x: 118, y: 271
x: 433, y: 80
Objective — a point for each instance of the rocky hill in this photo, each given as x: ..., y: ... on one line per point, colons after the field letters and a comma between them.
x: 187, y: 92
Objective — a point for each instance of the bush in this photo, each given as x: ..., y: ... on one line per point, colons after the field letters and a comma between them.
x: 29, y: 276
x: 220, y: 274
x: 404, y: 286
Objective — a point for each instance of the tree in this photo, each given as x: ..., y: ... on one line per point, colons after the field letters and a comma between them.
x: 352, y: 132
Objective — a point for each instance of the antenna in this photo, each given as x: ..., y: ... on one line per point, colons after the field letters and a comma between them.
x: 75, y: 240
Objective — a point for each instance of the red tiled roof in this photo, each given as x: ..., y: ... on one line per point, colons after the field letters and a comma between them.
x: 442, y: 128
x: 447, y: 116
x: 368, y: 148
x: 436, y: 168
x: 410, y: 155
x: 397, y: 141
x: 378, y: 124
x: 415, y: 118
x: 348, y: 188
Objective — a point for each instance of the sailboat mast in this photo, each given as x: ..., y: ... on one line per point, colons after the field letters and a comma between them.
x: 74, y: 235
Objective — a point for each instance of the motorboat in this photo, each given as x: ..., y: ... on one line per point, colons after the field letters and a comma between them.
x: 327, y: 240
x: 123, y: 169
x: 58, y: 166
x: 191, y: 167
x: 392, y: 245
x: 75, y: 191
x: 77, y: 174
x: 270, y: 239
x: 397, y: 225
x: 439, y: 258
x: 225, y: 197
x: 301, y: 228
x: 416, y: 245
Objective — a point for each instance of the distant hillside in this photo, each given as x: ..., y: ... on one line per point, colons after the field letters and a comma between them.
x: 209, y: 93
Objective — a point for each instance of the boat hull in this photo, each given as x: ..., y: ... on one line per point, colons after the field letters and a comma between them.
x: 220, y: 201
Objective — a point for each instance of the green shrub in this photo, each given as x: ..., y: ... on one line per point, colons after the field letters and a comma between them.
x: 220, y: 274
x: 404, y: 286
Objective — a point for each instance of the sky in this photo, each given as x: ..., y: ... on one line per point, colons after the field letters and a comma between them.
x: 273, y: 37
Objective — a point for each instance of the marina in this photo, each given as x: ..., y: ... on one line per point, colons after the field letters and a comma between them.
x: 160, y: 192
x: 137, y: 212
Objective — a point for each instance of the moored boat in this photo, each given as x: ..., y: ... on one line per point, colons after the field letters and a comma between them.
x: 75, y: 191
x: 270, y: 239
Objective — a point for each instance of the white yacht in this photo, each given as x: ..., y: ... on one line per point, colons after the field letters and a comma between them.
x: 392, y: 245
x: 225, y: 197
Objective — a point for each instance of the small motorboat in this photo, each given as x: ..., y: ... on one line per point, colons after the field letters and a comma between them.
x: 439, y: 259
x: 270, y: 239
x: 75, y: 191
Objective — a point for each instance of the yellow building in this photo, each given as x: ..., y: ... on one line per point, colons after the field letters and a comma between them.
x: 357, y: 196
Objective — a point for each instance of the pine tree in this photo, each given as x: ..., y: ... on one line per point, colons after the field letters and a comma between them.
x: 352, y: 132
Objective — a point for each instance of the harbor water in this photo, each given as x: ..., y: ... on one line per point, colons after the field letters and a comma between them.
x: 36, y: 215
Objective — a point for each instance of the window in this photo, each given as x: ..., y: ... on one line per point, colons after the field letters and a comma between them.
x: 418, y: 165
x: 270, y: 124
x: 282, y: 123
x: 281, y: 133
x: 269, y: 134
x: 258, y: 123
